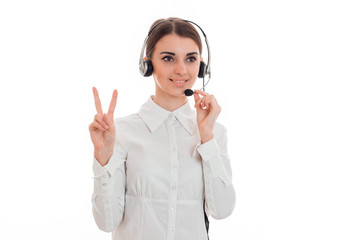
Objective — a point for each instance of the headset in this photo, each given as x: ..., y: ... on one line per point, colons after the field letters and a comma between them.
x: 146, y: 67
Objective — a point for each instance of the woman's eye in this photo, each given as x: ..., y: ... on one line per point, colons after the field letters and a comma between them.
x: 167, y: 58
x: 191, y: 59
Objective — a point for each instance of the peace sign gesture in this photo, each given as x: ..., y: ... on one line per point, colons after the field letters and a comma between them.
x: 102, y: 129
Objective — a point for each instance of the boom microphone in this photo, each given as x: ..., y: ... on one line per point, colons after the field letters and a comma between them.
x: 189, y: 92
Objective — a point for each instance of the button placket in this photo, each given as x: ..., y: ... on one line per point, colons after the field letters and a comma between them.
x: 170, y: 124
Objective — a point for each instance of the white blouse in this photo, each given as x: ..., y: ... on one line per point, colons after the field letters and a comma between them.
x: 154, y: 185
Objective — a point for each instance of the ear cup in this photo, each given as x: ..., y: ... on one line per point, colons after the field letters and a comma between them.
x: 148, y: 68
x: 202, y: 70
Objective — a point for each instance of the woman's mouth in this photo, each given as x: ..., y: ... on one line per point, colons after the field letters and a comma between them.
x: 179, y: 82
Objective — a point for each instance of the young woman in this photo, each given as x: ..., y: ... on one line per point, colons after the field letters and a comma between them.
x: 154, y: 169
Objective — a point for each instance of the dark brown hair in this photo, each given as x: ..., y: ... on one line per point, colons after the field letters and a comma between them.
x: 171, y: 25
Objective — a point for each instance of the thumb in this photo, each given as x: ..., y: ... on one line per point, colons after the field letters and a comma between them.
x: 196, y: 98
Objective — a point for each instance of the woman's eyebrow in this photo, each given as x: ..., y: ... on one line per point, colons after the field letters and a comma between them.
x: 192, y: 53
x: 170, y: 53
x: 173, y: 54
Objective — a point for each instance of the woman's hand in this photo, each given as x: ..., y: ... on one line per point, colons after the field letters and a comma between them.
x: 207, y: 110
x: 102, y: 129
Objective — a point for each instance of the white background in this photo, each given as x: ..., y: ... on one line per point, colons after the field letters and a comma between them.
x: 286, y: 74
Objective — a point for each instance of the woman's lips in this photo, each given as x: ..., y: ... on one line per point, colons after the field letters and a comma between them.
x: 179, y: 82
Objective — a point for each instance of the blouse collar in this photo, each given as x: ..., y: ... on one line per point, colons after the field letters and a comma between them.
x: 153, y: 115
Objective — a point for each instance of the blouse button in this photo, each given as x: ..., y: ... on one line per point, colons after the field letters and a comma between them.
x: 172, y: 209
x: 174, y: 168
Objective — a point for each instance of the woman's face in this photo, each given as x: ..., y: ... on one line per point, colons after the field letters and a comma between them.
x: 176, y: 62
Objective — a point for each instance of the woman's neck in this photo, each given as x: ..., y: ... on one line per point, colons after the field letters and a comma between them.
x: 168, y: 102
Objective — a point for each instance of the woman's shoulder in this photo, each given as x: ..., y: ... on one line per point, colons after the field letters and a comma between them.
x: 128, y: 121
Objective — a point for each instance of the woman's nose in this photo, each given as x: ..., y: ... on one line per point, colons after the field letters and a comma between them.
x: 180, y: 68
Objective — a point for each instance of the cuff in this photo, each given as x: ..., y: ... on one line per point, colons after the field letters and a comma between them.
x: 209, y: 149
x: 98, y: 170
x: 212, y: 159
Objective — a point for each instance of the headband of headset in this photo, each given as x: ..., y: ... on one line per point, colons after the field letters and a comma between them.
x: 146, y: 67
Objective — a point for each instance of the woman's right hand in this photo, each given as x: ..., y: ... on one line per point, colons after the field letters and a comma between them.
x: 102, y: 129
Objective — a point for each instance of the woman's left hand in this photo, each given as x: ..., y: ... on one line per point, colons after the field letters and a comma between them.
x: 207, y: 109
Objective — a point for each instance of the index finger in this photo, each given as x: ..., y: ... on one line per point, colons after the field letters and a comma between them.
x: 113, y: 104
x: 97, y: 101
x: 202, y: 93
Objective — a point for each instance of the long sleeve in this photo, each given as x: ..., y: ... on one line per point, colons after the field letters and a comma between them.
x: 108, y: 198
x: 219, y: 190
